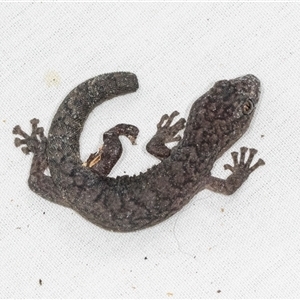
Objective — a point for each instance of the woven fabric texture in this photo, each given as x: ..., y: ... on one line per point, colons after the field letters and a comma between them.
x: 242, y: 246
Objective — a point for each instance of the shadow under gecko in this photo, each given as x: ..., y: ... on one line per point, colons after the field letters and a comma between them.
x: 127, y: 203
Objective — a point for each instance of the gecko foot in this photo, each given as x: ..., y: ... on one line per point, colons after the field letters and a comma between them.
x: 240, y: 172
x: 36, y: 142
x: 168, y: 132
x: 165, y: 134
x: 243, y: 167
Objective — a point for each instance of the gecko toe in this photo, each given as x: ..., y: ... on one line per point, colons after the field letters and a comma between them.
x: 259, y: 163
x: 18, y: 142
x: 16, y: 129
x: 228, y: 167
x: 34, y: 121
x: 25, y: 150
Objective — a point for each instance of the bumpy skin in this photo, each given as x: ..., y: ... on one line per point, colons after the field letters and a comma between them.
x: 216, y: 121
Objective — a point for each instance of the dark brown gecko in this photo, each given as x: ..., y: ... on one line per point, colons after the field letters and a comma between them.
x: 127, y: 203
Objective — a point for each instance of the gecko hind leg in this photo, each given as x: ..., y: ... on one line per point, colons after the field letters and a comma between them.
x: 38, y: 182
x: 104, y: 160
x: 165, y: 134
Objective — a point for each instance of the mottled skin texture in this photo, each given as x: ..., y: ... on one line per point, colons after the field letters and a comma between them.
x: 127, y: 203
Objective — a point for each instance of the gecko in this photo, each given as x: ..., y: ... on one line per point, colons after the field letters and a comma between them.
x: 127, y: 203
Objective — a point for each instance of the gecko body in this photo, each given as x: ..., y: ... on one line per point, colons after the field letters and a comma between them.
x: 127, y: 203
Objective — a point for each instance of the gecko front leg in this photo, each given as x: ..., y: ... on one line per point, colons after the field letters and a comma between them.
x: 38, y: 182
x: 240, y: 172
x: 165, y: 134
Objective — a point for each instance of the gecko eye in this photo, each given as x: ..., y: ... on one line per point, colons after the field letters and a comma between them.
x: 248, y: 107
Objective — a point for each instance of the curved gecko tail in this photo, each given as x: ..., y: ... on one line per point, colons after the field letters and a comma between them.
x: 67, y: 124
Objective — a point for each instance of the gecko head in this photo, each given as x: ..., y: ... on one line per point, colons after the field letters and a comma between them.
x: 222, y: 115
x: 233, y: 105
x: 236, y: 100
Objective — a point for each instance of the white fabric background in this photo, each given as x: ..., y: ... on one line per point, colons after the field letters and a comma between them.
x: 244, y: 245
